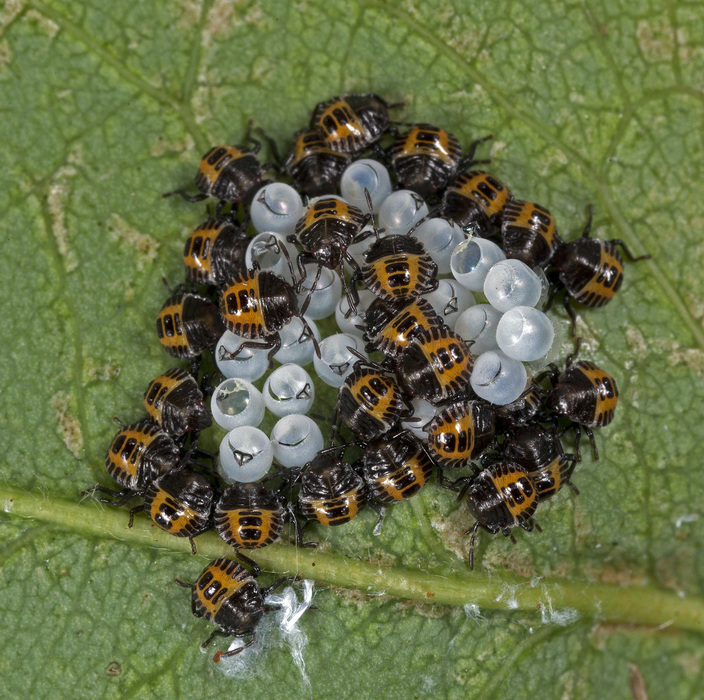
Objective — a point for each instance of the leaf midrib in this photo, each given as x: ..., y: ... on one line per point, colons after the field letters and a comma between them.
x: 645, y: 605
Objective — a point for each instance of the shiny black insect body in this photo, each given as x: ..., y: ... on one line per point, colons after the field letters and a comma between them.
x: 529, y: 233
x: 256, y: 305
x: 390, y: 328
x: 526, y: 409
x: 331, y: 492
x: 396, y: 467
x: 314, y: 167
x: 369, y: 401
x: 179, y: 502
x: 501, y: 497
x: 539, y: 451
x: 424, y: 159
x: 229, y: 174
x: 351, y: 123
x: 227, y: 595
x: 436, y: 366
x: 584, y: 394
x: 138, y: 455
x: 188, y: 324
x: 174, y: 402
x: 249, y: 516
x: 460, y: 433
x: 325, y: 232
x: 398, y: 269
x: 215, y: 251
x: 590, y: 270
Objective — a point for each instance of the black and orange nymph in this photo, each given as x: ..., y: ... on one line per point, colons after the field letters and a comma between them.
x: 228, y: 595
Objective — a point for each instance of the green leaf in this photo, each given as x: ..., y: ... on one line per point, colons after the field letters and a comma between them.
x: 106, y: 106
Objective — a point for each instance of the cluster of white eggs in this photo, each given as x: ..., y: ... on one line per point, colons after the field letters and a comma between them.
x: 505, y: 332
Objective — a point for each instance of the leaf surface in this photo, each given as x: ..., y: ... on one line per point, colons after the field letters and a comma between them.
x: 106, y: 106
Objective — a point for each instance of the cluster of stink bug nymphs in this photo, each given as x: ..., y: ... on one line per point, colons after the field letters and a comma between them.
x: 390, y: 228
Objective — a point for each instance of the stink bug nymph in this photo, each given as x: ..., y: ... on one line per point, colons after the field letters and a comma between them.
x: 215, y: 251
x: 325, y: 232
x: 435, y: 366
x: 230, y: 174
x: 227, y: 595
x: 396, y: 467
x: 369, y: 401
x: 249, y: 516
x: 539, y: 451
x: 188, y: 324
x: 397, y: 269
x: 583, y: 393
x: 137, y: 456
x: 424, y: 159
x: 257, y: 304
x: 313, y: 166
x: 460, y: 433
x: 523, y: 411
x: 179, y: 502
x: 528, y: 232
x: 590, y: 270
x: 175, y: 403
x: 351, y: 123
x: 391, y: 328
x: 331, y: 492
x: 501, y: 497
x: 476, y: 198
